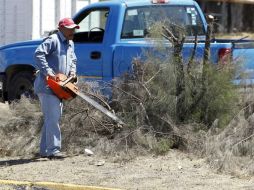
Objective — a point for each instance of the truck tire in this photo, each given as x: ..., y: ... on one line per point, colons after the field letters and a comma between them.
x: 21, y: 85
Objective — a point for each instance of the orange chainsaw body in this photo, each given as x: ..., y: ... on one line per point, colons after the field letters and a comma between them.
x: 63, y: 87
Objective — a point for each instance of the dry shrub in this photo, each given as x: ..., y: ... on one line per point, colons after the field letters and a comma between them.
x: 220, y: 99
x: 146, y: 101
x: 231, y: 149
x: 82, y: 127
x: 150, y: 128
x: 85, y: 127
x: 19, y: 136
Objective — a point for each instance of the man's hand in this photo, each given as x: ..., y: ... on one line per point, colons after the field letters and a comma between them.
x: 74, y: 76
x: 54, y: 77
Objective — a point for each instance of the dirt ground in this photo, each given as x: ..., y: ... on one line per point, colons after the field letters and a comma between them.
x: 176, y: 170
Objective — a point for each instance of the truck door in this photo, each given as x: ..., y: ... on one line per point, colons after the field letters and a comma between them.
x: 89, y: 40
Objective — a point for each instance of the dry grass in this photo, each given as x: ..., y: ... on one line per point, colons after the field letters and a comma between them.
x: 19, y: 134
x: 82, y: 127
x: 231, y: 149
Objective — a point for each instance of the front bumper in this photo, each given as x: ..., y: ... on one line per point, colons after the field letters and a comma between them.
x: 2, y: 87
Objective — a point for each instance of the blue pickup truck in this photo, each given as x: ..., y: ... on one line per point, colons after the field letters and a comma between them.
x: 112, y: 33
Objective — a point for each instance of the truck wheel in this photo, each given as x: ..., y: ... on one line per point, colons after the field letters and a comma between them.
x: 21, y: 84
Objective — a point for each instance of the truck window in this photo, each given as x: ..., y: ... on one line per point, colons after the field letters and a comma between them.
x: 92, y: 26
x: 139, y: 20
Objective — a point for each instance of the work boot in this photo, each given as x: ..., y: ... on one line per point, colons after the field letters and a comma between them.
x: 57, y: 155
x: 38, y: 156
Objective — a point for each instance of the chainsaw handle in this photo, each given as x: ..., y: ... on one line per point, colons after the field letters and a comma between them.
x: 70, y: 79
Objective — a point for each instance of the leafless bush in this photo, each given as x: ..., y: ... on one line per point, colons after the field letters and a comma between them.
x: 19, y: 136
x: 231, y: 149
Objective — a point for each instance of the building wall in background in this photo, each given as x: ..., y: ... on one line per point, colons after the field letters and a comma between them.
x: 15, y: 22
x: 32, y: 19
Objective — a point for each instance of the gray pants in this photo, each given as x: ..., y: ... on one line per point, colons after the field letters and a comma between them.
x: 51, y: 135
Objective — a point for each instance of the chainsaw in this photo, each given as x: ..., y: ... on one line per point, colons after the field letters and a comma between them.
x: 64, y: 88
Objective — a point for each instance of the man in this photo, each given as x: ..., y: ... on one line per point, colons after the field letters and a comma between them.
x: 54, y: 55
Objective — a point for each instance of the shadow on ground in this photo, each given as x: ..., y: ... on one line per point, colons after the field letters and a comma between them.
x: 4, y: 163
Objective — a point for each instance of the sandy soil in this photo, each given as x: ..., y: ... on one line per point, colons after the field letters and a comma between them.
x: 176, y: 170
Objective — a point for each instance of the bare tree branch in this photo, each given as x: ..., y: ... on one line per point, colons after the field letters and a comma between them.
x: 192, y: 54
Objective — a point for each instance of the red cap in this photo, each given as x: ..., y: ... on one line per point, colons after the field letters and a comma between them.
x: 67, y: 23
